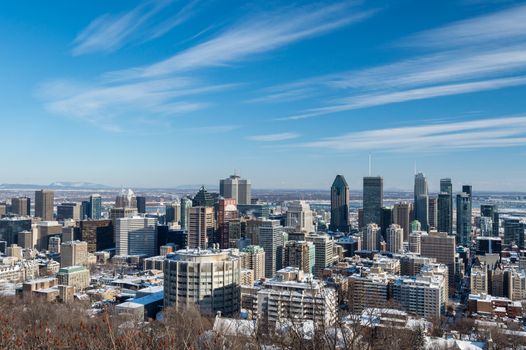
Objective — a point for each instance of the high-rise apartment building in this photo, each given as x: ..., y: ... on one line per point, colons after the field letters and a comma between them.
x: 300, y: 254
x: 373, y: 198
x: 237, y: 188
x: 464, y: 218
x: 21, y: 206
x: 44, y: 202
x: 421, y: 212
x: 209, y: 279
x: 441, y: 246
x: 253, y: 258
x: 395, y: 238
x: 271, y: 239
x: 340, y: 205
x: 324, y: 252
x: 299, y: 216
x: 370, y: 237
x: 200, y: 226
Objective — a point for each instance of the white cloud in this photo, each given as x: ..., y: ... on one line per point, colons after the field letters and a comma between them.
x: 496, y: 28
x: 274, y: 137
x: 115, y: 105
x: 384, y: 98
x: 484, y: 133
x: 108, y: 32
x: 254, y: 36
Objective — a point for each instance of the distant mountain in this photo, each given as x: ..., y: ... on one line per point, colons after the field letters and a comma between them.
x: 64, y: 185
x: 197, y: 187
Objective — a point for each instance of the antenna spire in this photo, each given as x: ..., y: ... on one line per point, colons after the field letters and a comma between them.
x: 370, y: 164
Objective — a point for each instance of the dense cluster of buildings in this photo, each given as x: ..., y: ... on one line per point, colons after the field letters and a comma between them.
x: 272, y: 263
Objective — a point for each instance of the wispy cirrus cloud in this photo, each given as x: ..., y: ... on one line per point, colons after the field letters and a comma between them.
x: 145, y: 22
x: 162, y: 89
x: 475, y: 134
x: 253, y: 36
x: 489, y: 59
x: 274, y: 137
x: 384, y: 98
x: 104, y: 105
x: 507, y: 25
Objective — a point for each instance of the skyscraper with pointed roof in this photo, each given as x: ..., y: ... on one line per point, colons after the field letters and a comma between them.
x: 340, y: 205
x: 421, y: 201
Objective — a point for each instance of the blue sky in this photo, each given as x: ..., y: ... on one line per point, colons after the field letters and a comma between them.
x: 162, y: 93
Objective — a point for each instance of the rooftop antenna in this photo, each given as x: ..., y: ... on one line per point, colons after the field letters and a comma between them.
x: 370, y: 164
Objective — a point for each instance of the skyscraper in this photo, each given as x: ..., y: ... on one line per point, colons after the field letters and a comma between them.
x: 394, y: 238
x: 514, y: 232
x: 68, y: 211
x: 373, y: 194
x: 237, y: 188
x: 126, y: 199
x: 446, y: 186
x: 95, y: 206
x: 135, y: 236
x: 200, y: 226
x: 441, y: 246
x: 386, y: 219
x: 272, y: 241
x: 186, y: 204
x: 463, y: 218
x: 324, y: 252
x: 203, y: 198
x: 299, y: 216
x: 21, y: 206
x: 300, y: 254
x: 433, y: 212
x: 172, y: 212
x: 44, y: 202
x: 370, y: 237
x: 444, y: 213
x: 491, y: 211
x: 339, y: 205
x: 141, y: 204
x: 421, y: 201
x: 402, y: 217
x: 226, y: 212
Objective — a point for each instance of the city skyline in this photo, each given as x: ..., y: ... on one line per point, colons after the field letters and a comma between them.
x: 291, y: 85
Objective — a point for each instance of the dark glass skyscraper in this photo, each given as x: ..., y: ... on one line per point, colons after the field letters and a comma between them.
x: 464, y: 218
x: 446, y: 210
x: 373, y: 198
x: 421, y: 211
x: 95, y: 207
x: 203, y: 198
x: 141, y: 204
x: 491, y: 211
x: 444, y: 213
x: 340, y: 205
